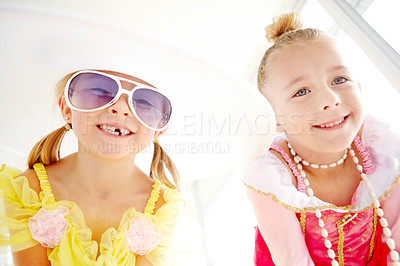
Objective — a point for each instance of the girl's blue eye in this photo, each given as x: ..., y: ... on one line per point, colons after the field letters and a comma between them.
x: 339, y: 80
x: 101, y: 92
x: 143, y: 104
x: 302, y: 92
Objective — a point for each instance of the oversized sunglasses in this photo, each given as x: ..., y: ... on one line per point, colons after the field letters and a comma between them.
x: 90, y: 90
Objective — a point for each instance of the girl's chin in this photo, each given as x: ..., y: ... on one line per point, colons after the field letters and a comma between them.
x: 111, y: 150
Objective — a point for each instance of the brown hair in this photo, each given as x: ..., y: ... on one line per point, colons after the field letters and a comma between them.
x: 47, y: 150
x: 157, y: 169
x: 286, y: 30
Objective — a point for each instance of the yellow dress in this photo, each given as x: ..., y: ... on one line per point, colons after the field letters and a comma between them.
x: 75, y: 247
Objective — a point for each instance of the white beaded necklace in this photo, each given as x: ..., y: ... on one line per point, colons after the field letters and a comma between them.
x: 324, y: 233
x: 298, y: 159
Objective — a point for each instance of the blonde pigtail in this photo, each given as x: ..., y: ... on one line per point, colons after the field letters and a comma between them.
x: 47, y: 150
x: 157, y: 169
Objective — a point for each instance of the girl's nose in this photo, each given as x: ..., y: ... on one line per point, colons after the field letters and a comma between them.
x: 121, y: 107
x: 329, y: 99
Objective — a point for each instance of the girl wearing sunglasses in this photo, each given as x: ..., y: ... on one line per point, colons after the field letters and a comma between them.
x: 96, y: 207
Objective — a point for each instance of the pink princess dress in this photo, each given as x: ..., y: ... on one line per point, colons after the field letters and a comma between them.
x: 354, y: 230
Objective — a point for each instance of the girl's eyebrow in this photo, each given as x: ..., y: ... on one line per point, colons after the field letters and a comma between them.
x: 339, y: 67
x: 294, y: 81
x: 303, y: 77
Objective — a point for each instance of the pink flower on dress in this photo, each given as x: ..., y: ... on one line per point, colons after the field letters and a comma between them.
x: 48, y: 226
x: 143, y: 235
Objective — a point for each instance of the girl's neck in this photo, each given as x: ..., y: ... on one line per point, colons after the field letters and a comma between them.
x: 336, y: 184
x: 336, y: 173
x: 318, y: 157
x: 101, y: 175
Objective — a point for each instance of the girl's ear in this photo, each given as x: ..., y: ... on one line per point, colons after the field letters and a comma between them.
x: 279, y: 124
x: 279, y: 128
x: 65, y: 110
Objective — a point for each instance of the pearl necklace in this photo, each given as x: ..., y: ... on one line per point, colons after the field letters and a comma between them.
x: 324, y: 233
x: 298, y: 159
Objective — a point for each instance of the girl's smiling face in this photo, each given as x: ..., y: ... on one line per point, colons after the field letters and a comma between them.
x: 315, y: 97
x: 95, y: 130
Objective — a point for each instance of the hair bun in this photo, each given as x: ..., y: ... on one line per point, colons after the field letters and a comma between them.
x: 283, y: 24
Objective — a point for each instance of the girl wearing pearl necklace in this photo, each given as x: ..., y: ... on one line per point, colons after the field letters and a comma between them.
x: 326, y: 193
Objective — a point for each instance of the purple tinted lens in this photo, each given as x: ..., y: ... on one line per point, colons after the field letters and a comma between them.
x: 91, y: 90
x: 153, y: 108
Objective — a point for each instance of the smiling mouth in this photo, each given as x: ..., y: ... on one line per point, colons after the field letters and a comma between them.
x: 332, y: 124
x: 115, y: 130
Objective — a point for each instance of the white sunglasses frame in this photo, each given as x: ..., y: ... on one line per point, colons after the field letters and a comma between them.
x: 117, y: 96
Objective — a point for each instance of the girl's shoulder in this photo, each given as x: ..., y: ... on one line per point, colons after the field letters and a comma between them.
x: 383, y: 147
x: 33, y: 180
x: 269, y: 169
x: 20, y: 193
x: 270, y: 175
x: 13, y: 172
x: 266, y: 168
x: 172, y: 199
x: 14, y: 175
x: 377, y: 134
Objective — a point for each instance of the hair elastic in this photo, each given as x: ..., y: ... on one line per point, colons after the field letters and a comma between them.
x: 155, y: 141
x: 67, y: 126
